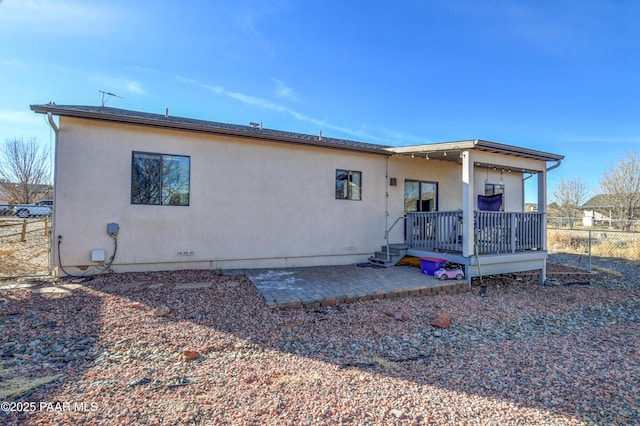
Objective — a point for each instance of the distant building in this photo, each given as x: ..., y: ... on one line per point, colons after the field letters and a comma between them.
x: 601, y: 210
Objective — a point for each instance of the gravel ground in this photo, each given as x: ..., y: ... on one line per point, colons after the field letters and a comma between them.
x: 523, y: 354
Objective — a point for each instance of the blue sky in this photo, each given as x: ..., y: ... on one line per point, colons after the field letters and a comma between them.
x: 557, y: 76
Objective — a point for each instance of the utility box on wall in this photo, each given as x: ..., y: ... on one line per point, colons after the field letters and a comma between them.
x: 98, y: 255
x: 112, y: 229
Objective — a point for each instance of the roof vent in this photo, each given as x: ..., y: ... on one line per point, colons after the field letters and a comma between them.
x: 255, y: 125
x: 166, y: 113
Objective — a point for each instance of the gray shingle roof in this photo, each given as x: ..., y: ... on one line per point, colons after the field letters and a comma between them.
x: 191, y: 124
x: 169, y: 121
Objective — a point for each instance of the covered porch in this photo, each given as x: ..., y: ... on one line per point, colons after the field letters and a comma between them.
x: 501, y: 242
x: 455, y: 224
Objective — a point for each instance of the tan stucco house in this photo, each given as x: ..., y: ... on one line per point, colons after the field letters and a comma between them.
x: 178, y: 193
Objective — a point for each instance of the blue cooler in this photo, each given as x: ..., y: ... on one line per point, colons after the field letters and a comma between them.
x: 429, y: 265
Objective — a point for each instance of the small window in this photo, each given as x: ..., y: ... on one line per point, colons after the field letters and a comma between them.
x: 495, y: 189
x: 160, y: 179
x: 348, y: 185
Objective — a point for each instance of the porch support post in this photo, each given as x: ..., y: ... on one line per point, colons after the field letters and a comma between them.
x: 542, y: 208
x: 467, y: 204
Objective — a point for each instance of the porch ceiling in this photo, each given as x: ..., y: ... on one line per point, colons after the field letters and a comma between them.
x: 450, y: 151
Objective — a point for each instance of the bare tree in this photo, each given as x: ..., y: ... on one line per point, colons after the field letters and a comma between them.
x: 621, y: 183
x: 569, y: 195
x: 24, y: 169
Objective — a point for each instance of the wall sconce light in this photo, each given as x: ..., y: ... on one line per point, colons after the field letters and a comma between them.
x: 426, y: 156
x: 413, y: 156
x: 445, y: 153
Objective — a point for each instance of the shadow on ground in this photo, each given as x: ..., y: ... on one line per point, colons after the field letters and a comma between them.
x: 525, y: 357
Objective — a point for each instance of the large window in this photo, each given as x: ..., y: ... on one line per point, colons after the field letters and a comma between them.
x: 348, y: 185
x: 160, y: 179
x: 420, y: 196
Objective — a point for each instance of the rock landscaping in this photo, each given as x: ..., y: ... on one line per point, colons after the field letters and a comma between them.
x: 201, y: 348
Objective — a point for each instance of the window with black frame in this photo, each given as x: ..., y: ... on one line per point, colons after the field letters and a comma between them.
x: 495, y: 191
x: 420, y: 196
x: 348, y: 185
x: 160, y: 179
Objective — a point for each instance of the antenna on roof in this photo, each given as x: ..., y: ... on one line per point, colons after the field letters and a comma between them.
x: 102, y: 92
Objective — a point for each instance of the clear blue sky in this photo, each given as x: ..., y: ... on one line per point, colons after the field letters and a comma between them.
x: 557, y: 76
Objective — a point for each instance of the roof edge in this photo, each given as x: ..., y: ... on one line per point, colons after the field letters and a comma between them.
x: 204, y: 126
x: 479, y: 144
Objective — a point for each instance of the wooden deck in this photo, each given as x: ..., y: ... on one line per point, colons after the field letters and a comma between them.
x: 494, y: 232
x: 504, y: 242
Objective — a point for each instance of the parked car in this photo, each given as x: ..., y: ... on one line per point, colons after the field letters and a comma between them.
x: 5, y: 208
x: 41, y: 208
x: 449, y: 273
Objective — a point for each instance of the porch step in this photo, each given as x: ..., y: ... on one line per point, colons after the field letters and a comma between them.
x: 396, y: 252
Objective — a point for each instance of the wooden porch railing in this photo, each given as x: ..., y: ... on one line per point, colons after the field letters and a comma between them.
x: 440, y: 231
x: 495, y: 232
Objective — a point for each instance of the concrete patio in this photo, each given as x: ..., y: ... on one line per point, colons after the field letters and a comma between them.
x: 313, y: 287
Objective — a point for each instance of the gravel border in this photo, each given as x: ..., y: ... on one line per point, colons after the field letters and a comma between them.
x: 110, y: 352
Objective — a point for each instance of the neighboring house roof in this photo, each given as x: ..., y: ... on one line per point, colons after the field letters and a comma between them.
x: 601, y: 201
x: 181, y: 123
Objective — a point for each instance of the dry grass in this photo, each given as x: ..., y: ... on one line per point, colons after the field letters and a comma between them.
x: 385, y: 364
x: 623, y: 245
x: 24, y: 258
x: 606, y: 271
x: 20, y: 385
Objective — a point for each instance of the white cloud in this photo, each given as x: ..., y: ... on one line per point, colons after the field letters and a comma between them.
x: 13, y: 62
x: 144, y: 70
x: 16, y: 117
x: 250, y: 14
x: 134, y: 87
x: 284, y: 92
x: 71, y: 17
x: 117, y: 85
x: 390, y: 137
x: 23, y: 123
x: 272, y: 106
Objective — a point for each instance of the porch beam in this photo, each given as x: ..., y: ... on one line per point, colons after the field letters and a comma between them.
x: 542, y: 203
x: 542, y: 208
x: 467, y: 203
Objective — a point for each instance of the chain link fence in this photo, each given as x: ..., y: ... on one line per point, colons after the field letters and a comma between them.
x: 595, y: 243
x: 595, y: 224
x: 25, y: 244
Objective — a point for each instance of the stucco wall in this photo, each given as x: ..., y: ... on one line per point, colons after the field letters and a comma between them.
x: 252, y: 204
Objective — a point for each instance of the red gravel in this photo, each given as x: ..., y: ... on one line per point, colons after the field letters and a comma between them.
x: 525, y: 354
